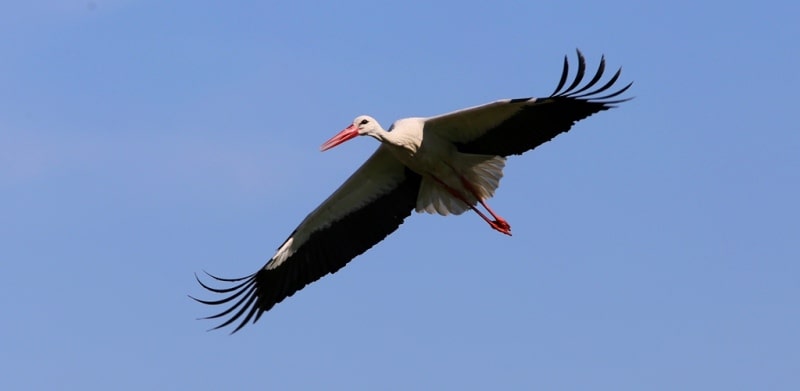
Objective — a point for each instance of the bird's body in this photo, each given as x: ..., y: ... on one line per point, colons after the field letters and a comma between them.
x: 446, y: 164
x: 441, y: 166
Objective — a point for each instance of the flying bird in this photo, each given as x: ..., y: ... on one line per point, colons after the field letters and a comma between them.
x: 447, y: 164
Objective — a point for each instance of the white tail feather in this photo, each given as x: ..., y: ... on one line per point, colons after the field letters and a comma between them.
x: 482, y: 171
x: 433, y: 199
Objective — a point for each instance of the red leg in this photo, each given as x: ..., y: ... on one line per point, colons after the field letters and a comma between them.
x: 499, y: 224
x: 498, y: 221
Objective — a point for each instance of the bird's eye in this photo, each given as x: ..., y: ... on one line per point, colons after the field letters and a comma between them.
x: 364, y: 122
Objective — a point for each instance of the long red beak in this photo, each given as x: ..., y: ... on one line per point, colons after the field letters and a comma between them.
x: 346, y: 134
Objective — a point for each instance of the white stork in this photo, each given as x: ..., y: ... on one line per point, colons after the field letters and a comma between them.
x: 446, y: 164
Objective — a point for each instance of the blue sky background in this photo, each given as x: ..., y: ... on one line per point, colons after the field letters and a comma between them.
x: 655, y: 246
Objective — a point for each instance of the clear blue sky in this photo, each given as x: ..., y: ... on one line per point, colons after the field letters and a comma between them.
x: 655, y: 246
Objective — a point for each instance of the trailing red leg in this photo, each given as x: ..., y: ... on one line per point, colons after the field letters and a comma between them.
x: 499, y: 224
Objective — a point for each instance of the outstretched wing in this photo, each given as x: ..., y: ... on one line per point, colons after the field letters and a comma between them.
x: 514, y: 126
x: 369, y: 206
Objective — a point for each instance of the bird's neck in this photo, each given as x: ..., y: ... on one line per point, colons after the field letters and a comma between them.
x: 399, y: 140
x: 384, y: 136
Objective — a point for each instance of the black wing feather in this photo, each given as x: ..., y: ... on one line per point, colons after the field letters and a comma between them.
x: 326, y: 251
x: 545, y: 118
x: 579, y: 75
x: 564, y: 74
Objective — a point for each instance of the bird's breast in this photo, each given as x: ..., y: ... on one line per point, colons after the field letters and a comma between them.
x: 424, y: 156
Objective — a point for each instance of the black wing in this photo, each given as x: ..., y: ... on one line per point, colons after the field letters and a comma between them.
x: 362, y: 212
x: 515, y: 126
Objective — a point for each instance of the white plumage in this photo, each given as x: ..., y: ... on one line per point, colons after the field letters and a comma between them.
x: 446, y: 164
x: 483, y: 171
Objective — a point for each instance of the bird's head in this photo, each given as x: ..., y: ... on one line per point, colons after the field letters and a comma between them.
x: 362, y: 125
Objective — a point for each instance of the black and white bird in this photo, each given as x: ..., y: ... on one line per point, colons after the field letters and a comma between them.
x: 447, y: 164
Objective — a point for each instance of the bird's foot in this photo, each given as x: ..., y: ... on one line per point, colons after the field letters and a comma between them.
x: 501, y: 226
